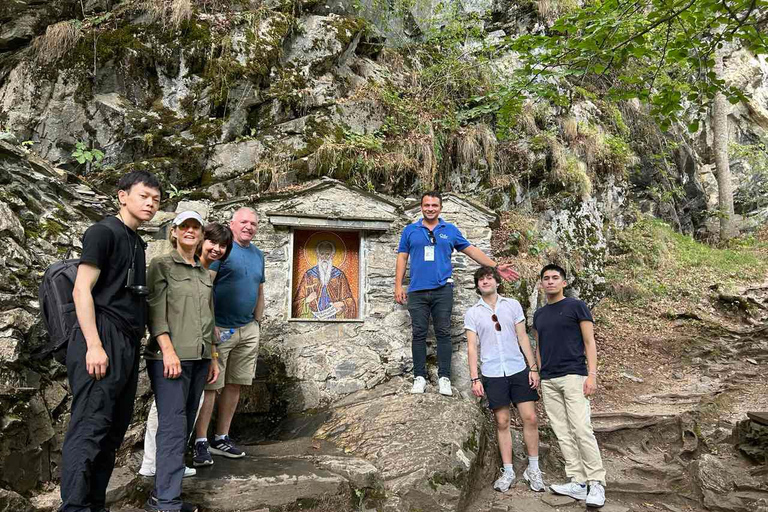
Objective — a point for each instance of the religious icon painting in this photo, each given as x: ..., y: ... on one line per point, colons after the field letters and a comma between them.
x: 326, y: 275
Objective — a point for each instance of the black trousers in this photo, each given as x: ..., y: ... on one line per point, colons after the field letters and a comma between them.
x: 422, y: 305
x: 177, y: 401
x: 101, y: 412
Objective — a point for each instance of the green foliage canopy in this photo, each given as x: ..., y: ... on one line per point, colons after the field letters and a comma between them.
x: 659, y: 51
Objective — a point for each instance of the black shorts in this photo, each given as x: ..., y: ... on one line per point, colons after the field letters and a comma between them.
x: 512, y: 389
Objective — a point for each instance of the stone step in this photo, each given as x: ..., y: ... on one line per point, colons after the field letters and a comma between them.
x: 251, y: 483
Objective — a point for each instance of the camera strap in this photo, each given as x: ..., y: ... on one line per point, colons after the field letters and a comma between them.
x: 135, y: 244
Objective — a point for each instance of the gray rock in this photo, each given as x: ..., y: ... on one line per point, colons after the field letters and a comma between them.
x: 12, y: 502
x: 260, y: 482
x: 10, y: 223
x: 557, y: 501
x: 710, y: 474
x: 235, y: 158
x: 360, y: 473
x: 631, y: 377
x: 424, y: 446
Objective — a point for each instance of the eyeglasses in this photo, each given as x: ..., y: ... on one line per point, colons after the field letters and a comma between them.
x: 496, y: 320
x: 432, y: 238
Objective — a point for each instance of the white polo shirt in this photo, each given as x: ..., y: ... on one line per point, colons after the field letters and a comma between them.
x: 500, y: 353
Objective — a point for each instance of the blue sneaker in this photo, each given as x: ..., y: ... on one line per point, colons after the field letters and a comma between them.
x: 202, y: 457
x: 226, y: 448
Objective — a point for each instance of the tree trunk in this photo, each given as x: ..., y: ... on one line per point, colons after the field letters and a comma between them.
x: 720, y: 109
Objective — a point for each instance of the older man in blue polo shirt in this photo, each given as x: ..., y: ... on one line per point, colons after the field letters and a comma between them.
x: 429, y: 243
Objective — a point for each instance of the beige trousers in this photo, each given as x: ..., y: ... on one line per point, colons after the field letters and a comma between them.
x: 568, y: 411
x: 149, y: 462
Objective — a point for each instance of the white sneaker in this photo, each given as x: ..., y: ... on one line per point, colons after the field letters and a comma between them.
x: 505, y: 480
x: 572, y: 489
x: 419, y: 384
x: 444, y: 384
x: 534, y: 479
x: 596, y: 496
x: 151, y: 472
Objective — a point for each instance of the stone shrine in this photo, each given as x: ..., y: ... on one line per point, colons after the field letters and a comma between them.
x: 328, y: 357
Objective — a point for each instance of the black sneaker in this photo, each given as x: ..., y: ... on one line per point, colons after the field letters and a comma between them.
x: 153, y: 506
x: 225, y: 447
x: 202, y: 456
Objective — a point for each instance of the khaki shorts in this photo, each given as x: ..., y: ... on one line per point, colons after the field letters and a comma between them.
x: 237, y: 357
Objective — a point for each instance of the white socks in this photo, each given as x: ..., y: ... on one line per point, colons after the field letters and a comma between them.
x: 218, y: 437
x: 509, y: 468
x: 200, y: 439
x: 533, y: 462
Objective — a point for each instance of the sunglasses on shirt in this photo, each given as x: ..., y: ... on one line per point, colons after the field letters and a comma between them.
x: 432, y: 238
x: 496, y: 320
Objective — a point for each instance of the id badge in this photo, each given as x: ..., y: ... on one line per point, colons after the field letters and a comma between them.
x: 429, y: 253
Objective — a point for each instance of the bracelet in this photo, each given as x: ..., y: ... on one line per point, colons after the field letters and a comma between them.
x: 534, y: 371
x: 477, y: 379
x: 214, y: 355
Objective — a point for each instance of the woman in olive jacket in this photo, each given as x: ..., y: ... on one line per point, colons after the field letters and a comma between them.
x: 216, y: 246
x: 179, y: 352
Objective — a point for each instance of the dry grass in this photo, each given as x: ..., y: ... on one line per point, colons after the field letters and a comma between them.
x: 572, y: 173
x: 570, y: 127
x: 57, y: 41
x: 169, y: 12
x: 411, y: 154
x: 475, y: 142
x: 550, y: 10
x: 513, y: 158
x: 527, y: 119
x: 591, y: 141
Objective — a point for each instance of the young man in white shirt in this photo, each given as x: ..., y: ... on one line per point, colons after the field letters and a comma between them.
x: 496, y: 325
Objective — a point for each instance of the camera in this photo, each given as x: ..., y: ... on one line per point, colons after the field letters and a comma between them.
x: 137, y: 289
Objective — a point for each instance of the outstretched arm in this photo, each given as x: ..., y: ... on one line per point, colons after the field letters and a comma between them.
x: 505, y: 271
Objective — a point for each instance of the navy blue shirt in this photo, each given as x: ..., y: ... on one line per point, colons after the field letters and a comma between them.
x: 236, y: 288
x: 560, y: 341
x: 428, y: 275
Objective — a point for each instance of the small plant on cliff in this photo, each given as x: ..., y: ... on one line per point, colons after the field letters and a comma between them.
x: 91, y: 157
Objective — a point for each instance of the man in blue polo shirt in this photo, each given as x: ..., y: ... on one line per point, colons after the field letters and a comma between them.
x: 429, y: 243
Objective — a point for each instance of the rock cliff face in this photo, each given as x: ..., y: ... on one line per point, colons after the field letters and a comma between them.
x: 242, y: 104
x: 41, y: 220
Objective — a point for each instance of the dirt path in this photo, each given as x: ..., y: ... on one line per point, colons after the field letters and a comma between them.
x: 665, y: 419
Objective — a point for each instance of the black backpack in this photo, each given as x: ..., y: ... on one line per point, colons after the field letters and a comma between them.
x: 58, y: 308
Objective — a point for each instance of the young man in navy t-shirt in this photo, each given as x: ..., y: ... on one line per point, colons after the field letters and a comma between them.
x: 429, y: 243
x: 568, y: 360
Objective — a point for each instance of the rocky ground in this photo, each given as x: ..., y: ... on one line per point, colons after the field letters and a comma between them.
x: 668, y: 444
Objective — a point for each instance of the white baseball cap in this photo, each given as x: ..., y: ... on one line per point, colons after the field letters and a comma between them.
x: 189, y: 214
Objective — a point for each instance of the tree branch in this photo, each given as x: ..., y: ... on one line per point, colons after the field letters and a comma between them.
x: 654, y: 25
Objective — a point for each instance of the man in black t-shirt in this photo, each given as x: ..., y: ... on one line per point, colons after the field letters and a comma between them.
x: 103, y: 354
x: 567, y: 359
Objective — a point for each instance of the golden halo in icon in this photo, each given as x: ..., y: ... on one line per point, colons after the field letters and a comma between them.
x: 310, y: 248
